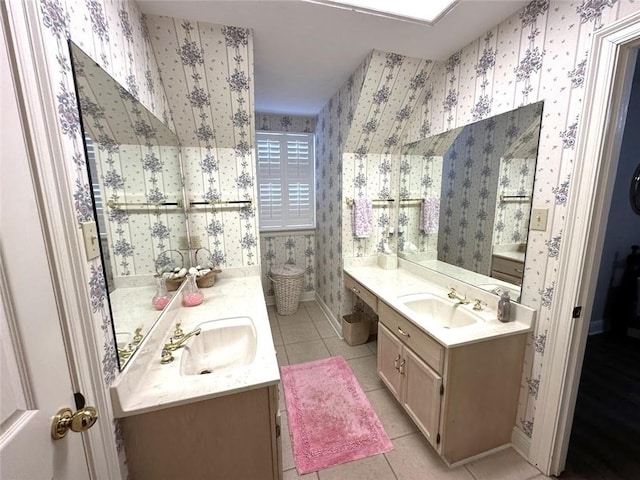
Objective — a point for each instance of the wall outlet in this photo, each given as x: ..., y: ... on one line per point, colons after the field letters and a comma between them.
x: 183, y: 243
x: 91, y: 240
x: 539, y: 218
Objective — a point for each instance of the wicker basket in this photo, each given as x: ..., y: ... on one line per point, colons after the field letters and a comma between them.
x: 287, y: 285
x: 173, y: 284
x: 207, y: 280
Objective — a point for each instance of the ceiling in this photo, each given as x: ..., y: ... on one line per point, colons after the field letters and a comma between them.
x: 304, y: 52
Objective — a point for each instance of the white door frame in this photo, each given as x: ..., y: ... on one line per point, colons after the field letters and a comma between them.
x: 602, y: 121
x: 66, y: 253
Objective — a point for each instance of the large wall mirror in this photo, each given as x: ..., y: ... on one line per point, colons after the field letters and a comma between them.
x: 134, y: 164
x: 465, y: 199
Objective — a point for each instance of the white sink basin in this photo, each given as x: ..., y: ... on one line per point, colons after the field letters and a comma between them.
x: 446, y: 313
x: 222, y: 345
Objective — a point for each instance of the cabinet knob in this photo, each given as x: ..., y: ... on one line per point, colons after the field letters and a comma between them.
x: 395, y: 363
x: 355, y: 290
x: 401, y: 369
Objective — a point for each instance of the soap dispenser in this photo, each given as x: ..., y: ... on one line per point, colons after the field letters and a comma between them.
x: 504, y: 307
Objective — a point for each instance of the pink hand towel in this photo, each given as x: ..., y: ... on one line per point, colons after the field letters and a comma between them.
x: 362, y: 216
x: 430, y: 215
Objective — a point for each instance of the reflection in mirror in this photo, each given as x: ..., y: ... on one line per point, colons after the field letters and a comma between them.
x: 465, y: 199
x: 134, y: 164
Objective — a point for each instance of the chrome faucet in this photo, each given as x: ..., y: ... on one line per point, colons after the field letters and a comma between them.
x: 461, y: 300
x: 171, y: 346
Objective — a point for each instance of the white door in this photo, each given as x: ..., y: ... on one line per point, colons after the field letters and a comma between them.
x: 34, y: 375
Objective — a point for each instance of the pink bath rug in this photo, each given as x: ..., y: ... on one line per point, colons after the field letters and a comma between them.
x: 330, y: 418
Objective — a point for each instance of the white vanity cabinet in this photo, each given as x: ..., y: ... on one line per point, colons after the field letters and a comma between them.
x: 464, y: 398
x: 233, y: 436
x: 414, y: 384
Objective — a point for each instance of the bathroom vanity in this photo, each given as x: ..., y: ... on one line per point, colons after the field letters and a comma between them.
x: 211, y: 412
x: 458, y: 378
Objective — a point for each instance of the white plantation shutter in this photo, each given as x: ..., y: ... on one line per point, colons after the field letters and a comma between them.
x: 95, y: 185
x: 286, y: 180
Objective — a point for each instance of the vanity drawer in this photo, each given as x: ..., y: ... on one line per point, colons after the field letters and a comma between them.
x: 422, y: 344
x: 504, y: 266
x: 366, y: 296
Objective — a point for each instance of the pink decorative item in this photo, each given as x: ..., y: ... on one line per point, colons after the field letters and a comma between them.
x: 362, y: 216
x: 330, y: 418
x: 162, y: 297
x: 191, y: 295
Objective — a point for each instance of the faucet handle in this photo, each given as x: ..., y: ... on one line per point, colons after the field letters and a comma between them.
x: 166, y: 356
x: 477, y: 306
x: 178, y: 333
x: 137, y: 338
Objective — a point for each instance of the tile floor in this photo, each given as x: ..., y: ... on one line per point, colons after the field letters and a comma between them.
x: 307, y: 335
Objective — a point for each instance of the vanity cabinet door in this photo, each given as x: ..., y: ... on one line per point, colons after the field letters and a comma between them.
x: 421, y: 395
x: 389, y: 360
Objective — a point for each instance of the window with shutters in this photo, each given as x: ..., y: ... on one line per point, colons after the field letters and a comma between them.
x: 286, y: 186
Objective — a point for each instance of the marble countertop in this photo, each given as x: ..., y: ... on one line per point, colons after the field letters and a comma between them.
x: 131, y: 309
x: 146, y: 385
x: 388, y: 285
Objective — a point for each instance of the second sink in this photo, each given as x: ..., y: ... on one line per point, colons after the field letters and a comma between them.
x: 444, y: 312
x: 223, y: 344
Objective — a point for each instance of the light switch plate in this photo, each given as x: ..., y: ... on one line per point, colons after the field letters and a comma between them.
x: 90, y: 235
x: 539, y: 218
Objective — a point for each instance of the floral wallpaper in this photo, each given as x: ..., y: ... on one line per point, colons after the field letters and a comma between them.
x: 392, y: 89
x: 270, y: 122
x: 538, y: 54
x: 114, y: 34
x: 332, y: 128
x: 358, y: 136
x: 294, y: 248
x: 297, y: 249
x: 208, y: 73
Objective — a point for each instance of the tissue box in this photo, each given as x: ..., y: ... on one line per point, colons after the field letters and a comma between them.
x: 387, y: 261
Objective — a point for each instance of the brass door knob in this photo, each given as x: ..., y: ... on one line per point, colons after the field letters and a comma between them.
x: 66, y: 420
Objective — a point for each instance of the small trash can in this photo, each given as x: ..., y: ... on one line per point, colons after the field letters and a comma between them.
x: 287, y: 286
x: 355, y: 328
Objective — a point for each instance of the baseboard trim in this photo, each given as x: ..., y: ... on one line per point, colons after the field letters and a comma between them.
x: 520, y: 442
x: 333, y: 321
x: 304, y: 297
x: 477, y: 457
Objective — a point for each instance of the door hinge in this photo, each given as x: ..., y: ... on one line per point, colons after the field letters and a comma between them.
x: 441, y: 389
x: 438, y: 439
x: 80, y: 401
x: 577, y: 311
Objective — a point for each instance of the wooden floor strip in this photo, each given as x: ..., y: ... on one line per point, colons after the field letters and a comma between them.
x: 605, y: 437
